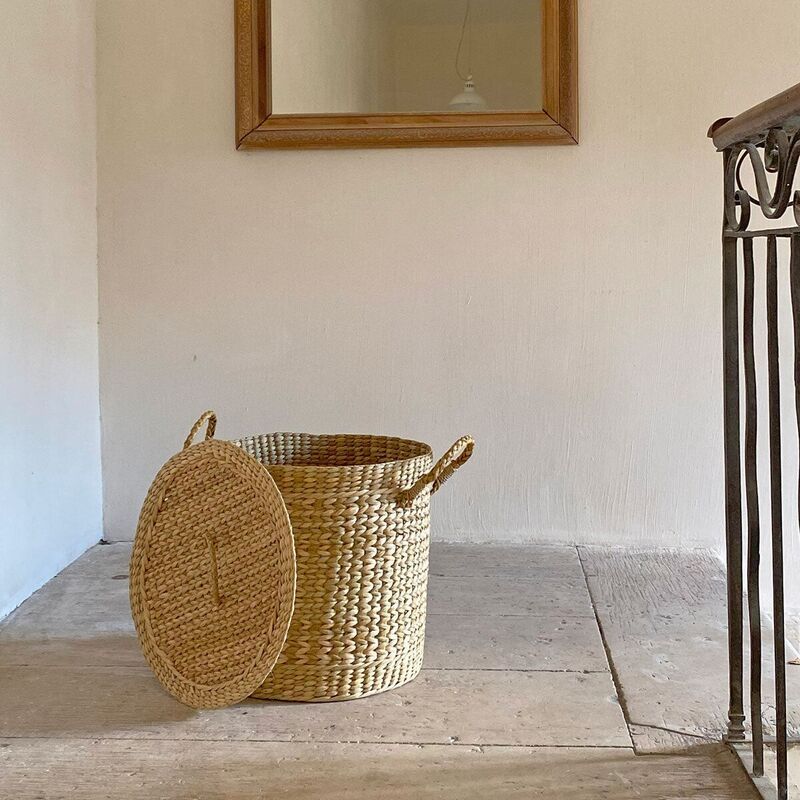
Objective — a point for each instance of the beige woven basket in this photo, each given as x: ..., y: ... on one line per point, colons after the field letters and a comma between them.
x: 360, y: 513
x: 286, y: 566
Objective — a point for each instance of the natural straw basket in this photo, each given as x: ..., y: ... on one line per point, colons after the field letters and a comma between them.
x: 360, y: 513
x: 325, y: 537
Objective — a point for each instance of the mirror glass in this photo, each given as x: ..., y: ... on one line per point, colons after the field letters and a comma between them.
x: 394, y: 56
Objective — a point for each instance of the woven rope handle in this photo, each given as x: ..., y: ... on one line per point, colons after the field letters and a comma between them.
x: 208, y: 417
x: 455, y: 457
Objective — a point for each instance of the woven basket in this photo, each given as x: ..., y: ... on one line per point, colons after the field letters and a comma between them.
x: 360, y: 513
x: 286, y: 566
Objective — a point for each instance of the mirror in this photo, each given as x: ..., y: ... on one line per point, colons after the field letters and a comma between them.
x: 405, y: 73
x: 390, y: 56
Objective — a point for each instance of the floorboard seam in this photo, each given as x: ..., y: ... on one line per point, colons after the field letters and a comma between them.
x: 321, y: 741
x: 518, y: 616
x: 676, y: 731
x: 144, y: 669
x: 609, y: 657
x: 508, y: 669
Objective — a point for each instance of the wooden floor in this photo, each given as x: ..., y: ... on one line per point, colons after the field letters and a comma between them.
x: 549, y: 673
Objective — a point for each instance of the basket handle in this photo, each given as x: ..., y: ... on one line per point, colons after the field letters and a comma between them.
x: 209, y: 417
x: 455, y: 457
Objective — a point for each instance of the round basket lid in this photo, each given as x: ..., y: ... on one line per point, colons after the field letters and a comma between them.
x: 212, y: 575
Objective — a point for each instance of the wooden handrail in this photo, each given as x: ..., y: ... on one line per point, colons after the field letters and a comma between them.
x: 752, y: 125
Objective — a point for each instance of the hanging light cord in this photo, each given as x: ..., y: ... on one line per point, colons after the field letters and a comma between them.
x: 461, y: 42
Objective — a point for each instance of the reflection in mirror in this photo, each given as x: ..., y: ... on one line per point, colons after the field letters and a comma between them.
x: 390, y: 56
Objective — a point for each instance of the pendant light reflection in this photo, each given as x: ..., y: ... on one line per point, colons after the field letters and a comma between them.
x: 468, y: 99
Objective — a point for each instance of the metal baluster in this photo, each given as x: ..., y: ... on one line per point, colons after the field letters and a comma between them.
x: 776, y: 511
x: 794, y: 282
x: 753, y: 521
x: 733, y: 481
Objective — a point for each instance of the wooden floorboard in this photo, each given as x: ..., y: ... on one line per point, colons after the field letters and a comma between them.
x: 499, y: 642
x: 101, y: 561
x: 504, y: 561
x: 440, y: 706
x: 545, y: 596
x: 75, y: 608
x: 663, y: 616
x: 515, y: 700
x: 33, y: 769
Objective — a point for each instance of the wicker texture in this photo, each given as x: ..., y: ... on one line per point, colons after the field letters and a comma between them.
x: 212, y: 574
x: 360, y: 513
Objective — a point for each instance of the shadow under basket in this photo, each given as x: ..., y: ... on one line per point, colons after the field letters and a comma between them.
x: 359, y: 526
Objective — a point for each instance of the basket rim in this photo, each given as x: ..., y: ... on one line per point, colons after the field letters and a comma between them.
x: 425, y: 449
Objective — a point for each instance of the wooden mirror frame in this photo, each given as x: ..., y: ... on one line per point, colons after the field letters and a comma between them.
x: 258, y: 127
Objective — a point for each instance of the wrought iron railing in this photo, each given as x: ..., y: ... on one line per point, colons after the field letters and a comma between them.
x: 765, y: 141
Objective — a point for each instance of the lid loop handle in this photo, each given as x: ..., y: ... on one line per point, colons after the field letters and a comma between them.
x: 209, y: 417
x: 212, y: 555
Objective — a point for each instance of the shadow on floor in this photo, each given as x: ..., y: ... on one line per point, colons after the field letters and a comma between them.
x: 97, y: 686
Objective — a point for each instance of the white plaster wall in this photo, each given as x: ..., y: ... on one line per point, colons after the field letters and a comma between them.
x: 561, y: 304
x: 50, y: 497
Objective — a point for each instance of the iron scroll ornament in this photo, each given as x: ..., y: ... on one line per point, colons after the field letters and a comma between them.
x: 778, y: 155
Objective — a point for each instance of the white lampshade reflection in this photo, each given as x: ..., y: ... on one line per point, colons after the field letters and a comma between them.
x: 469, y: 99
